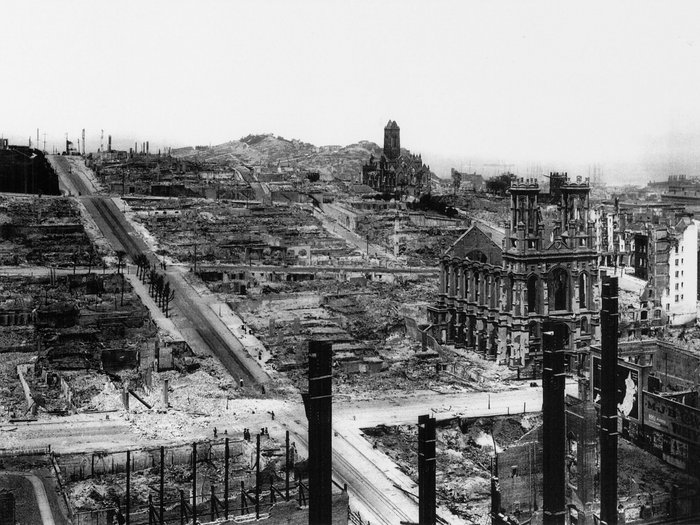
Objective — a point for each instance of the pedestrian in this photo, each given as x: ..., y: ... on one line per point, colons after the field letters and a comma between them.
x: 215, y: 432
x: 273, y: 414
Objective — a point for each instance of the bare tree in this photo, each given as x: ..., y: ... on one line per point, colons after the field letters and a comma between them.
x: 120, y: 258
x: 90, y: 258
x: 168, y: 296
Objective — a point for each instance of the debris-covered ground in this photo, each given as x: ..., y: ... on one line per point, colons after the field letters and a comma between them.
x: 98, y: 481
x: 366, y: 324
x: 234, y: 233
x: 45, y: 231
x: 74, y: 331
x: 463, y: 456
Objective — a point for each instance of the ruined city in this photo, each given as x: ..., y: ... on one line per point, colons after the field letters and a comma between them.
x: 265, y: 330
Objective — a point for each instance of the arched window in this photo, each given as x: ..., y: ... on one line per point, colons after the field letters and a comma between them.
x: 465, y: 273
x: 532, y: 286
x: 560, y: 289
x: 495, y: 288
x: 508, y: 286
x: 533, y: 330
x: 584, y: 325
x: 583, y: 290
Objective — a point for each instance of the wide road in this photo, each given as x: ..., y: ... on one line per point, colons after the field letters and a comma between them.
x: 122, y: 236
x: 373, y: 478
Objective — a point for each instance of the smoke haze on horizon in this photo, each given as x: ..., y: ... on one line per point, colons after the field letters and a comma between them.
x: 530, y: 84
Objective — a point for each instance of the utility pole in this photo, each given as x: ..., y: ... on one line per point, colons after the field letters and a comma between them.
x: 161, y: 488
x: 426, y: 470
x: 194, y: 483
x: 319, y: 412
x: 128, y: 487
x: 226, y: 476
x: 609, y: 319
x: 553, y: 430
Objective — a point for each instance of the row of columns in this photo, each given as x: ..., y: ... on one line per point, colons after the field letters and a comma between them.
x: 485, y: 287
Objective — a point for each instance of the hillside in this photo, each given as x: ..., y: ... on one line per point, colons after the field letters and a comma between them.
x: 270, y: 152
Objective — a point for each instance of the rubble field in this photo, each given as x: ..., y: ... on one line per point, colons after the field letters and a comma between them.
x: 464, y: 453
x: 231, y: 233
x: 46, y: 231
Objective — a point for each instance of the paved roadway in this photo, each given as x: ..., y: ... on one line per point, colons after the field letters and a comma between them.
x: 121, y: 235
x: 372, y: 477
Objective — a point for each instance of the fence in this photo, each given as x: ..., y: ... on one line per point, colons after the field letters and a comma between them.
x: 241, y: 486
x: 209, y: 507
x: 77, y: 467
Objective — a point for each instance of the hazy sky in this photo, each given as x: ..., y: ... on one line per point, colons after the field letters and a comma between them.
x: 537, y: 84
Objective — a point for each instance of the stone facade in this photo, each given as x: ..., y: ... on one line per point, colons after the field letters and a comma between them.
x: 397, y: 172
x: 500, y: 289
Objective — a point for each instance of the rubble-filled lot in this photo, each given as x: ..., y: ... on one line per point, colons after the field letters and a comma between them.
x: 97, y: 481
x: 231, y: 233
x: 45, y: 231
x: 419, y: 245
x: 464, y: 455
x: 366, y: 323
x: 72, y: 330
x: 464, y: 452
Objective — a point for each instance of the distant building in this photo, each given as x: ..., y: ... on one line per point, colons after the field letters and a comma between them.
x: 397, y: 172
x: 683, y: 189
x: 659, y: 243
x: 470, y: 181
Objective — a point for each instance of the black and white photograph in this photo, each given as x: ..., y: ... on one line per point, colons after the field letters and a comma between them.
x: 325, y: 262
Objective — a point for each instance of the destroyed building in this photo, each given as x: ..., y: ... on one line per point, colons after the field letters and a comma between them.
x: 397, y: 172
x: 498, y: 288
x: 657, y: 399
x: 25, y: 170
x: 659, y: 243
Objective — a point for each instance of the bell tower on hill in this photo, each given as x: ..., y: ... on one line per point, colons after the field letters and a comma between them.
x: 392, y: 140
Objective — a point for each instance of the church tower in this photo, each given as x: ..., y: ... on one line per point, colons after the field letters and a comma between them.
x: 551, y: 272
x: 392, y: 140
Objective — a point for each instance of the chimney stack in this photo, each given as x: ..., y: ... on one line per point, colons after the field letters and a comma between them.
x: 426, y: 470
x: 553, y: 427
x: 608, y: 402
x: 320, y: 432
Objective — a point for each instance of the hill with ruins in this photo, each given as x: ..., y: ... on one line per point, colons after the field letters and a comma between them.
x: 270, y: 152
